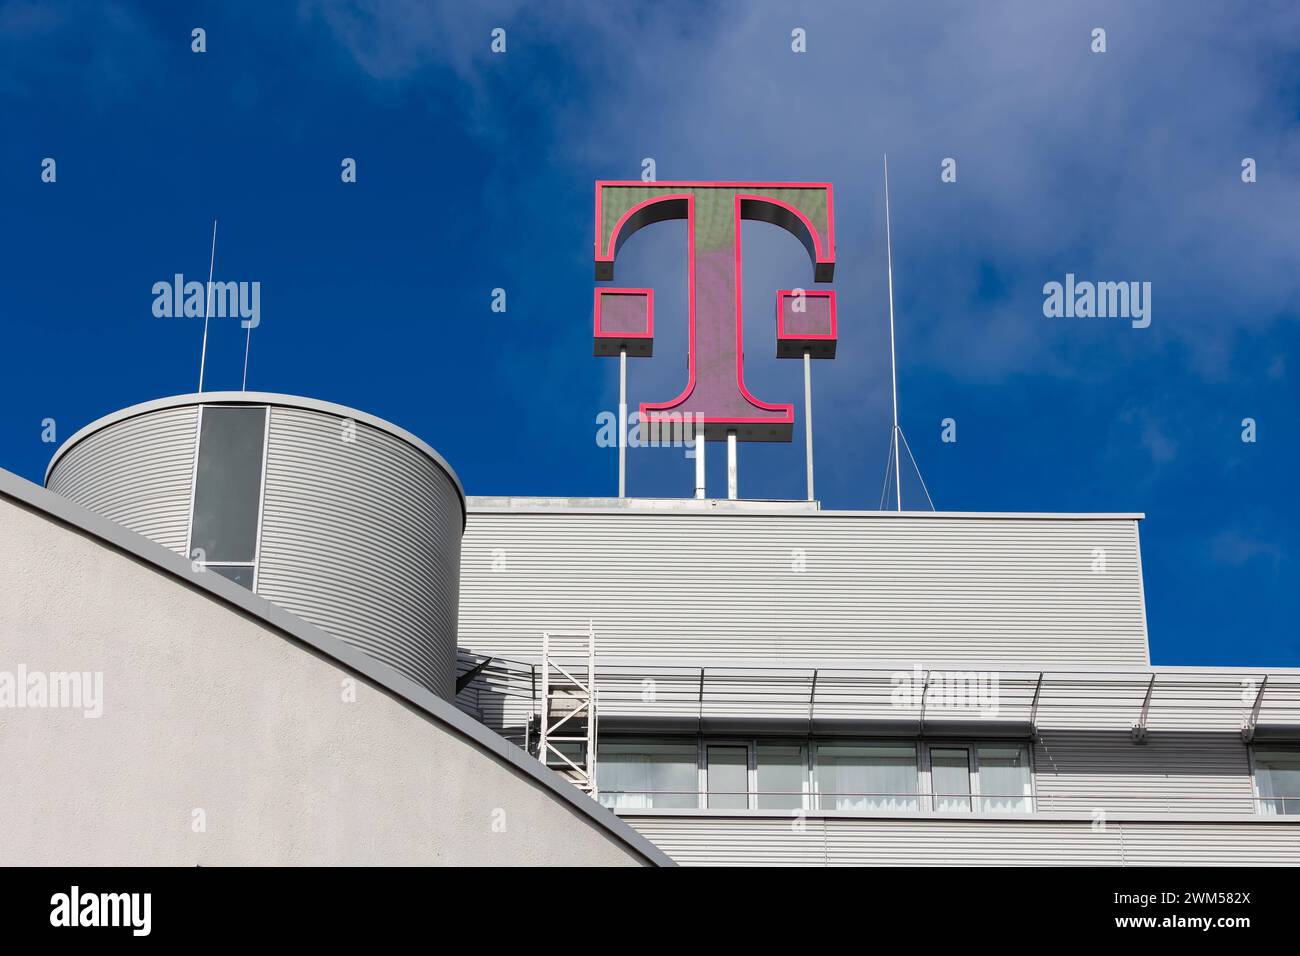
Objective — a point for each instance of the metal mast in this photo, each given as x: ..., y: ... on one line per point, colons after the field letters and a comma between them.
x: 622, y: 422
x: 893, y: 362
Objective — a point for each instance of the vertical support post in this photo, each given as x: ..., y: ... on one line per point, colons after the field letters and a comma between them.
x: 731, y: 466
x: 532, y: 670
x: 590, y: 762
x: 807, y: 415
x: 542, y: 745
x: 700, y: 445
x: 622, y: 423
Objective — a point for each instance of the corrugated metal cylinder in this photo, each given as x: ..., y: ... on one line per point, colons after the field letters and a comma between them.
x: 357, y: 527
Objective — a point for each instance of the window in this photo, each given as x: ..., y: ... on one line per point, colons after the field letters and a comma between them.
x: 1004, y: 781
x: 1277, y: 780
x: 782, y: 776
x: 727, y: 773
x: 867, y: 777
x: 633, y: 775
x: 228, y: 490
x: 950, y: 779
x: 989, y: 778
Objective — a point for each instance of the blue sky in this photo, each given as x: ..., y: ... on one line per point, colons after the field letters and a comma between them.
x: 475, y: 172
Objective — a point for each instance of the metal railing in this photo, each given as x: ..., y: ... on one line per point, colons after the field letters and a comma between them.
x: 804, y: 699
x: 868, y: 801
x: 502, y: 694
x: 918, y: 802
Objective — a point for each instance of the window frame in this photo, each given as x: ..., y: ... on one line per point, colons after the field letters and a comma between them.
x: 256, y: 563
x: 632, y: 741
x: 972, y: 774
x: 751, y: 769
x: 807, y: 799
x: 1260, y: 800
x: 1030, y: 795
x: 805, y: 744
x: 916, y: 744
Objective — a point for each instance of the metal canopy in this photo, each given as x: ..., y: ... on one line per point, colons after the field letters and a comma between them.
x: 654, y: 698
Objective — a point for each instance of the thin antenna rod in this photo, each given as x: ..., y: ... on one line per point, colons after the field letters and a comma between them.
x: 207, y: 305
x: 893, y: 362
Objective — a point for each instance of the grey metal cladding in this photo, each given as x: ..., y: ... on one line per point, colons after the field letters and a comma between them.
x: 363, y: 539
x: 1173, y: 772
x: 992, y: 590
x: 136, y: 473
x: 846, y: 841
x: 360, y: 537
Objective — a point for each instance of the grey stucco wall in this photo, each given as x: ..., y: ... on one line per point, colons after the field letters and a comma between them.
x: 206, y: 708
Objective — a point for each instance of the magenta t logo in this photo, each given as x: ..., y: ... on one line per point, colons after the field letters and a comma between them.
x: 715, y: 390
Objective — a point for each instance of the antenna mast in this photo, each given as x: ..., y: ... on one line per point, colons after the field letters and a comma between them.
x: 897, y: 440
x: 893, y: 362
x: 207, y: 306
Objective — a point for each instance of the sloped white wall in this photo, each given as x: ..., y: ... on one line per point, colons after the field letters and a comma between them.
x: 206, y: 708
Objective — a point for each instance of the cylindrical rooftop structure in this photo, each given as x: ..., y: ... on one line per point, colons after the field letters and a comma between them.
x: 343, y: 519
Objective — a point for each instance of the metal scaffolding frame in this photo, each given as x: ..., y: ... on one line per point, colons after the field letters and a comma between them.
x: 567, y: 711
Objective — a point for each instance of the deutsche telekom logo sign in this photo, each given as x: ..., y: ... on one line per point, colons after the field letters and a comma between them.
x: 715, y: 391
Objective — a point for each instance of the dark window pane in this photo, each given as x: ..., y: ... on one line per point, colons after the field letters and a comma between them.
x: 229, y: 483
x: 241, y: 574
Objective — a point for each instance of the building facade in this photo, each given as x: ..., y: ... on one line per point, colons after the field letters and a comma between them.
x: 778, y: 684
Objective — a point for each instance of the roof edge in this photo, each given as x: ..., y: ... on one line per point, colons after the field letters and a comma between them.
x: 520, y: 505
x: 74, y: 516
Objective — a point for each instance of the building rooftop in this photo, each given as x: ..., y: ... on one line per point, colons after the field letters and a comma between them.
x: 749, y: 506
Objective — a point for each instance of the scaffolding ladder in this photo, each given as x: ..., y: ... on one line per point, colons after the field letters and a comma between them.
x: 566, y: 736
